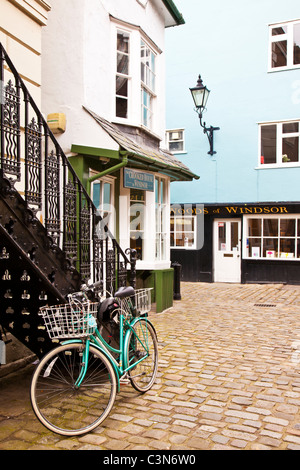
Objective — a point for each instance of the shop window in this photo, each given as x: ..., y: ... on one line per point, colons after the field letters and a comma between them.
x: 175, y: 140
x: 272, y: 237
x: 183, y: 232
x: 102, y: 197
x: 160, y: 219
x: 279, y: 144
x: 137, y: 221
x: 284, y: 48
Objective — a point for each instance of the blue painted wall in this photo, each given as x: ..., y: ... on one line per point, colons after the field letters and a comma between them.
x: 227, y: 43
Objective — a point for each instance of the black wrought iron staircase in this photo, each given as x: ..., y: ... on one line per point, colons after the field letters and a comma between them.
x: 51, y: 238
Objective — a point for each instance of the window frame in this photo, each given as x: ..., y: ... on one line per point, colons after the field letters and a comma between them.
x: 185, y: 246
x: 289, y: 38
x: 280, y: 136
x: 280, y: 237
x: 161, y: 218
x: 169, y: 140
x: 101, y: 210
x: 124, y: 76
x: 147, y: 87
x: 137, y: 199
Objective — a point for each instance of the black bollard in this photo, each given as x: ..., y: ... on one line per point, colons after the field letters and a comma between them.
x: 177, y: 276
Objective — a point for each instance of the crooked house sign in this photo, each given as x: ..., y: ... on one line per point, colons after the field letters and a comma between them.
x: 134, y: 179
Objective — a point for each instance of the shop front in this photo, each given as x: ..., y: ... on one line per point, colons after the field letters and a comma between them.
x: 239, y: 243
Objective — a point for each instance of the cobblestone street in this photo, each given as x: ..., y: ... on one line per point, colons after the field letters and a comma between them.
x: 229, y: 378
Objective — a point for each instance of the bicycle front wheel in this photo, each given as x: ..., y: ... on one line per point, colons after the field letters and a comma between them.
x: 142, y: 350
x: 59, y: 403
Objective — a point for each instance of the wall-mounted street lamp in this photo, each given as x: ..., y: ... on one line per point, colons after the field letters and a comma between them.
x: 200, y: 95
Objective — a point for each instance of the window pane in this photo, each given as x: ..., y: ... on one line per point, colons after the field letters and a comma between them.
x: 268, y: 144
x: 287, y: 248
x: 234, y: 235
x: 121, y: 86
x: 279, y: 54
x: 270, y: 247
x: 123, y: 42
x: 106, y: 193
x: 121, y: 107
x: 122, y: 63
x: 297, y: 43
x: 290, y: 149
x: 96, y: 194
x: 287, y: 227
x: 254, y: 227
x: 290, y: 127
x: 222, y: 236
x: 254, y: 247
x: 270, y: 227
x: 279, y: 30
x: 176, y: 146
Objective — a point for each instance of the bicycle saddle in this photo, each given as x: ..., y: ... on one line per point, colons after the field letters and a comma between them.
x: 124, y: 292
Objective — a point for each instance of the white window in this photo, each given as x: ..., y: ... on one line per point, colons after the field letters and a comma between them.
x: 175, y: 140
x: 279, y: 144
x: 137, y: 221
x: 284, y: 45
x: 135, y: 76
x: 272, y: 237
x: 122, y: 74
x: 103, y: 197
x: 147, y: 83
x: 183, y: 232
x: 161, y: 219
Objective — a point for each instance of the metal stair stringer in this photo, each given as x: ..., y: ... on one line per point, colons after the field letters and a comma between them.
x: 33, y: 271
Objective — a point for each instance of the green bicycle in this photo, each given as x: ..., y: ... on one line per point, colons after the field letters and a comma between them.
x: 74, y: 386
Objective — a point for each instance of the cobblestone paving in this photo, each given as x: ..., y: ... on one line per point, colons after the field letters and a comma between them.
x: 229, y: 378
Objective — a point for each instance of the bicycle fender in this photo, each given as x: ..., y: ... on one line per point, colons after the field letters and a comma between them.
x: 127, y: 334
x: 70, y: 341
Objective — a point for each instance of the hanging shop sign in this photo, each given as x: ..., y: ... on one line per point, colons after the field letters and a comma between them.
x: 138, y: 180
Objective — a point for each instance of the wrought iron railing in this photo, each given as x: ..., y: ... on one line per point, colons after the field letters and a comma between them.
x: 36, y: 166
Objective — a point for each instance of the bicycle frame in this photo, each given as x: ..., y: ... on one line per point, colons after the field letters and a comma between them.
x: 120, y: 368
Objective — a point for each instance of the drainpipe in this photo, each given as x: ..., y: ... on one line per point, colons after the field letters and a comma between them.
x: 107, y: 172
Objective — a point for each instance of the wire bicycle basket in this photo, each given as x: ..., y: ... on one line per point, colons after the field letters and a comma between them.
x: 76, y: 319
x: 140, y: 301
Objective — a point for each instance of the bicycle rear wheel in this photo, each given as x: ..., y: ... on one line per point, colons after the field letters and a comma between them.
x: 142, y: 349
x: 59, y: 404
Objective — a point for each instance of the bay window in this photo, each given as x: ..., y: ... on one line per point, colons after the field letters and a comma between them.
x: 135, y: 76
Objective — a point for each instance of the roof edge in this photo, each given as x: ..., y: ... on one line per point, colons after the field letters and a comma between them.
x: 173, y: 10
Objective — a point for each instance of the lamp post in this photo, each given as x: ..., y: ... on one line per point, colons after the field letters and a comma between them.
x: 200, y: 95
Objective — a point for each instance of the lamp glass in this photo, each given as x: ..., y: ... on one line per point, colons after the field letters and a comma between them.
x: 200, y: 96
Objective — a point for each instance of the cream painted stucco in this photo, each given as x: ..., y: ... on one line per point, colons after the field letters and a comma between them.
x: 21, y: 23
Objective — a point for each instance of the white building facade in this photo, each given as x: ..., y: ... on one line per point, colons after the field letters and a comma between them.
x: 104, y: 77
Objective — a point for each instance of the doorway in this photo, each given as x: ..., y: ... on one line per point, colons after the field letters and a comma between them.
x: 227, y: 250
